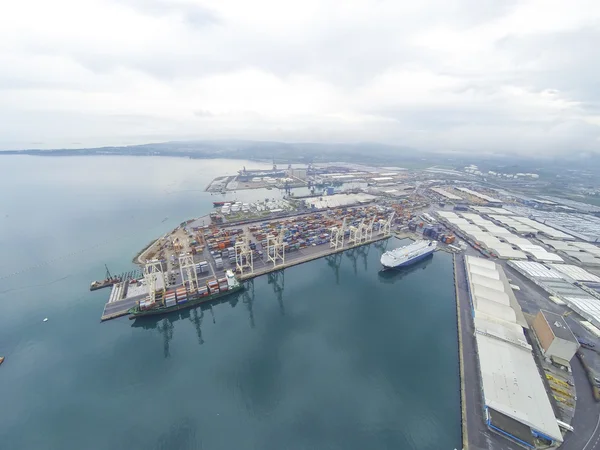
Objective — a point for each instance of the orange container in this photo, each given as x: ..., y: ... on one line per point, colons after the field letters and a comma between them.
x: 221, y: 245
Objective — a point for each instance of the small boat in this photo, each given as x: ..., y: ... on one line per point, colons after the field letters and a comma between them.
x: 1, y: 359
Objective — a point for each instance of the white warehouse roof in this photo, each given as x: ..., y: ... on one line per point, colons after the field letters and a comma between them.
x: 447, y: 214
x: 505, y: 251
x: 512, y: 385
x: 503, y: 330
x: 481, y: 196
x: 445, y: 193
x: 510, y: 379
x: 491, y: 294
x: 486, y: 263
x: 483, y: 271
x: 496, y: 309
x: 491, y: 283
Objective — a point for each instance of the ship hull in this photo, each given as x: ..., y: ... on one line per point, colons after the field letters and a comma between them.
x: 134, y: 313
x: 410, y: 261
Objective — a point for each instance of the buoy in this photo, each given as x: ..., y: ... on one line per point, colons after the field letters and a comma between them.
x: 46, y: 319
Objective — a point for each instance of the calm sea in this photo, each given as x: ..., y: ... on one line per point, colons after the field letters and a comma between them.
x: 329, y: 355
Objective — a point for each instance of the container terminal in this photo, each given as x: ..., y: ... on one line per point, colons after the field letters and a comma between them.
x: 527, y: 289
x: 205, y: 252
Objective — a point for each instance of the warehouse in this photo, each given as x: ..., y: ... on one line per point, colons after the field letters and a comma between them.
x: 554, y: 282
x: 585, y: 259
x: 575, y: 272
x: 555, y: 337
x: 513, y: 224
x: 502, y: 250
x: 515, y: 401
x: 548, y: 231
x: 487, y: 198
x: 447, y: 214
x: 445, y: 193
x: 489, y: 210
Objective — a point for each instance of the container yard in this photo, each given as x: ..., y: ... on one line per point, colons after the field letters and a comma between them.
x: 192, y: 260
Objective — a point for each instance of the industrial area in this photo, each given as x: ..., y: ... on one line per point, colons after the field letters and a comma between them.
x: 527, y: 277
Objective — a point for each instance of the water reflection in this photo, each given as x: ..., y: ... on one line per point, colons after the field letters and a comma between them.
x: 394, y: 275
x: 364, y: 253
x: 165, y: 324
x: 334, y: 261
x: 352, y: 256
x: 277, y: 279
x: 248, y: 300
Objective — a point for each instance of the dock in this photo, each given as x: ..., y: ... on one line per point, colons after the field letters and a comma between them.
x: 117, y: 306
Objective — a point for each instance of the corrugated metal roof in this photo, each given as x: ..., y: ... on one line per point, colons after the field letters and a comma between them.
x: 512, y: 385
x: 575, y: 272
x: 535, y: 270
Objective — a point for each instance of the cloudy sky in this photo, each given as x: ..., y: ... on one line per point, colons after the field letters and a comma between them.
x: 477, y: 75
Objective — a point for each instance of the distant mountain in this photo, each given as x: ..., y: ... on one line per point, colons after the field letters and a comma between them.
x: 366, y: 152
x: 240, y: 149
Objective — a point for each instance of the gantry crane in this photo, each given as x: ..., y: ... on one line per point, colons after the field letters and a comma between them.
x: 276, y: 248
x: 336, y: 239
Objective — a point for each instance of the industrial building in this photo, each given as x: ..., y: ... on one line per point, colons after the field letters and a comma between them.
x: 562, y: 286
x: 497, y: 239
x: 337, y: 200
x: 515, y: 401
x: 484, y: 197
x: 555, y: 337
x: 445, y: 194
x: 585, y: 253
x: 490, y: 210
x: 297, y: 173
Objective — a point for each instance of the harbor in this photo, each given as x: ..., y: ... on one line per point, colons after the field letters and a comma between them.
x: 490, y: 240
x: 195, y: 253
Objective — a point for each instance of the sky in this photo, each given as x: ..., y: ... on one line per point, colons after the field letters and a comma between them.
x: 478, y: 76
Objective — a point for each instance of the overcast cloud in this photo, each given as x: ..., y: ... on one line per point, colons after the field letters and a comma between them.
x: 478, y: 75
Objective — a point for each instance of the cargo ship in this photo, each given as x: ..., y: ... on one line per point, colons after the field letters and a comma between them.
x: 181, y: 298
x: 407, y: 255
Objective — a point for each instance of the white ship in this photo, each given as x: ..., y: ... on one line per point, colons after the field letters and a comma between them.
x: 409, y: 254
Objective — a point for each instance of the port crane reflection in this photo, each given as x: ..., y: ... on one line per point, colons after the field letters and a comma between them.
x: 277, y: 279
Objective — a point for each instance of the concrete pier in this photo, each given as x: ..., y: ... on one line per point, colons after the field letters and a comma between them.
x: 305, y: 255
x: 463, y: 403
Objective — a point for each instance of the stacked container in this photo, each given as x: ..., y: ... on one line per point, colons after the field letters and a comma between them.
x: 223, y: 286
x: 202, y: 291
x: 170, y: 299
x: 181, y: 295
x: 218, y: 263
x: 213, y: 286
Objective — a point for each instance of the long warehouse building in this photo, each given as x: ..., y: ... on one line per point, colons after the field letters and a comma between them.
x: 515, y: 401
